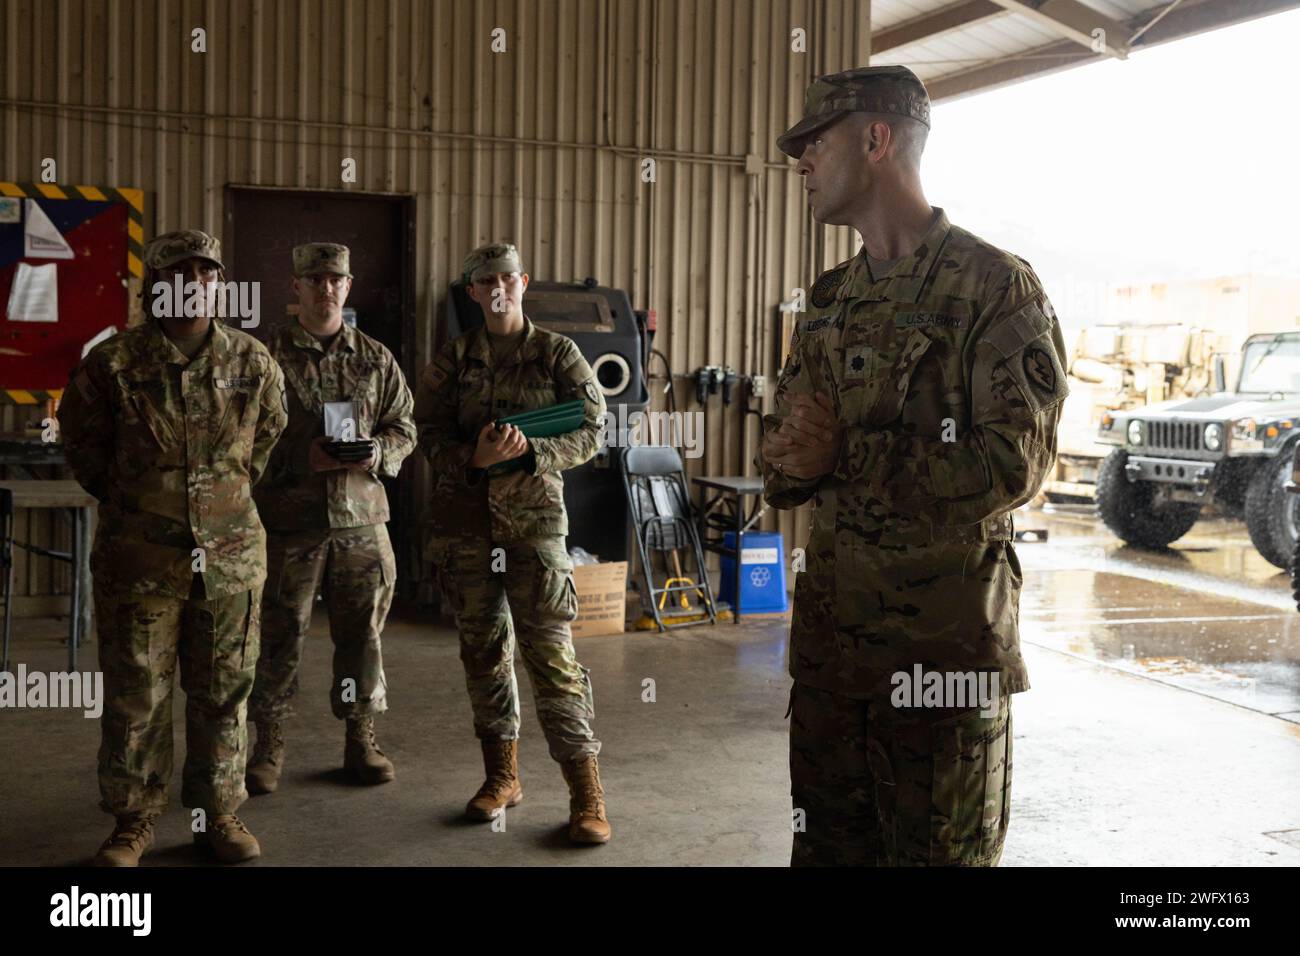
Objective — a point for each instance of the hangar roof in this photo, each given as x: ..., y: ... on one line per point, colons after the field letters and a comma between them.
x: 973, y: 45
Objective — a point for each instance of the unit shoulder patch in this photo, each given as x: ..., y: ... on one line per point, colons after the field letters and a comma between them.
x: 434, y: 376
x: 823, y: 291
x: 1039, y: 371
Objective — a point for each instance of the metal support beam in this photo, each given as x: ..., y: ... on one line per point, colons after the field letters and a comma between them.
x: 930, y: 25
x: 1075, y: 21
x: 1187, y: 19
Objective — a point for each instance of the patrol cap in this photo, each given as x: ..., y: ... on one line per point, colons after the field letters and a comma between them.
x: 492, y: 258
x: 894, y: 90
x: 173, y: 247
x: 313, y: 258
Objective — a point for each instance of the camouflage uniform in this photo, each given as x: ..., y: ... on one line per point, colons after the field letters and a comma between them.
x: 522, y: 513
x: 330, y: 526
x: 947, y: 377
x: 170, y: 448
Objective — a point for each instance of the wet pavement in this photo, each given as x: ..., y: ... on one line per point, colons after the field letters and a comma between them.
x: 1143, y: 740
x: 1208, y: 615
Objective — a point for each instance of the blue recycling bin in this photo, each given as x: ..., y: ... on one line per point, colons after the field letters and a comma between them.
x: 762, y: 573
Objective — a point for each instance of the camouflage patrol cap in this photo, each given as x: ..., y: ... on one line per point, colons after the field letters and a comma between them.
x: 173, y: 247
x: 313, y: 258
x: 894, y: 90
x: 492, y: 258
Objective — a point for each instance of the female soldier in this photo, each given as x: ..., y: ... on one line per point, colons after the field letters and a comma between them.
x: 498, y: 539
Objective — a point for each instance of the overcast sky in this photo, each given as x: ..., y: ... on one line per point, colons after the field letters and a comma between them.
x: 1181, y: 162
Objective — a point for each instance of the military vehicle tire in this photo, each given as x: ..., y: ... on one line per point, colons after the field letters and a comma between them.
x: 1126, y: 507
x: 1272, y: 512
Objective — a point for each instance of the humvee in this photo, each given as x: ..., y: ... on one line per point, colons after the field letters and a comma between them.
x: 1234, y: 448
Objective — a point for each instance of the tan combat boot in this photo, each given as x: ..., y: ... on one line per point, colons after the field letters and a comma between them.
x: 587, y: 822
x: 131, y: 838
x: 502, y: 787
x: 267, y: 761
x: 362, y: 757
x: 229, y: 840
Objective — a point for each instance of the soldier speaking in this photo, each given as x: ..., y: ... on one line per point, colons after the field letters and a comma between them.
x: 917, y: 410
x: 168, y: 424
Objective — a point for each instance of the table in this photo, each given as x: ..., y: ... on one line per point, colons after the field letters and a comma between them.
x: 721, y: 509
x: 61, y: 494
x: 20, y: 452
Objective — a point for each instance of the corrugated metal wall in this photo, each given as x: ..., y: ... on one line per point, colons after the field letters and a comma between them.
x: 542, y: 143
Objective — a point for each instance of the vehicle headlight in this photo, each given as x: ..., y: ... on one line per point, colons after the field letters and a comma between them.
x: 1244, y: 429
x: 1135, y: 432
x: 1213, y: 436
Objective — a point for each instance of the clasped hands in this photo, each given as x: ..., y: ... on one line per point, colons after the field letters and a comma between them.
x: 807, y: 445
x: 498, y: 445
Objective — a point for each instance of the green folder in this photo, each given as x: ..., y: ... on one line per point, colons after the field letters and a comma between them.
x: 541, y: 423
x: 548, y: 422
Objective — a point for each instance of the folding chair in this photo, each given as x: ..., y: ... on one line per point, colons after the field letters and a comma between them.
x: 662, y: 518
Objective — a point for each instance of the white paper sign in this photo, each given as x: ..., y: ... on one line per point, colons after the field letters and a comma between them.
x: 336, y: 414
x: 41, y: 238
x: 34, y: 296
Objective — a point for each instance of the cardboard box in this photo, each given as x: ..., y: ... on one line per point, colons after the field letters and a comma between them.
x: 602, y: 598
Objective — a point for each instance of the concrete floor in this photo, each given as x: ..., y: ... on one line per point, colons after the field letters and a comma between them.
x: 1116, y: 763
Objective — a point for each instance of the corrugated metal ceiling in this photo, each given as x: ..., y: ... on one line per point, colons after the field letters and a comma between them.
x: 972, y: 45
